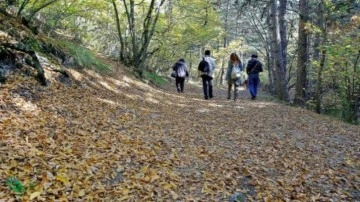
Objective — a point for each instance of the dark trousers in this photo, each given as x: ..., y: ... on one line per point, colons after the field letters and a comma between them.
x: 253, y: 84
x: 207, y: 86
x: 179, y: 82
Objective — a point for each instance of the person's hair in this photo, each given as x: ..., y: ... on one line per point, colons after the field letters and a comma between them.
x: 181, y: 60
x: 207, y: 52
x: 234, y: 57
x: 254, y: 55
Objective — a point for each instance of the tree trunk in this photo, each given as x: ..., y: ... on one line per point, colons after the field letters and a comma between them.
x: 281, y: 89
x: 303, y: 55
x: 323, y: 28
x: 270, y: 57
x: 226, y: 25
x: 121, y: 54
x: 140, y: 41
x: 283, y: 30
x: 319, y: 82
x: 356, y: 86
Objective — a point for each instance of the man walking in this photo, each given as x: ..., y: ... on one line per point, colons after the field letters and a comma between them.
x: 207, y: 70
x: 253, y: 68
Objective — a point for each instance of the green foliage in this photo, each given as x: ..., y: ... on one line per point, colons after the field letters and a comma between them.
x: 15, y: 185
x: 341, y: 74
x: 34, y: 43
x: 84, y: 58
x: 155, y: 78
x: 187, y: 27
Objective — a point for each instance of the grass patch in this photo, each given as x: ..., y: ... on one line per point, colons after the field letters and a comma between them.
x: 154, y: 78
x: 83, y: 57
x: 34, y: 43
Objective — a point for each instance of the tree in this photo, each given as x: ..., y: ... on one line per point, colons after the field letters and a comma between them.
x: 281, y: 81
x: 33, y: 10
x: 141, y: 38
x: 303, y: 54
x: 183, y: 28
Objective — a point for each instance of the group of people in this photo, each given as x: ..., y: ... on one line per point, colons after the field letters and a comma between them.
x: 253, y: 68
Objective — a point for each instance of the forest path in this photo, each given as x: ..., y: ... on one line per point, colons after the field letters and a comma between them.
x: 119, y: 139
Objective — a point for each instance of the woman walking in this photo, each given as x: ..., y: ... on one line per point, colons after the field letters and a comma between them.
x: 235, y: 66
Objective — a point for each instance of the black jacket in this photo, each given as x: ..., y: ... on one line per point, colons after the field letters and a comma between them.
x: 254, y: 66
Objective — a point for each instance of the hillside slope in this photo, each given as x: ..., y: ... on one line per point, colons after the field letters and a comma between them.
x: 116, y: 139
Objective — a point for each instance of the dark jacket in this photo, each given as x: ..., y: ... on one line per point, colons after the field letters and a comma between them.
x: 254, y: 66
x: 180, y: 69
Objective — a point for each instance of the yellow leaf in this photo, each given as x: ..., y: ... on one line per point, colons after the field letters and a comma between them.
x: 64, y: 180
x: 81, y: 193
x: 144, y: 169
x: 167, y: 186
x: 206, y: 189
x: 349, y: 162
x: 154, y: 177
x: 34, y: 195
x: 170, y: 185
x: 124, y: 198
x: 125, y: 192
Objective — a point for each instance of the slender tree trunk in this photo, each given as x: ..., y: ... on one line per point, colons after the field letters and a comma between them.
x: 121, y: 54
x: 315, y: 57
x: 226, y: 25
x: 149, y: 25
x: 303, y: 55
x: 130, y: 16
x: 323, y: 28
x: 22, y: 7
x: 281, y: 89
x: 40, y: 8
x: 355, y: 92
x: 271, y: 59
x: 139, y: 44
x: 356, y: 84
x: 319, y: 82
x: 283, y: 32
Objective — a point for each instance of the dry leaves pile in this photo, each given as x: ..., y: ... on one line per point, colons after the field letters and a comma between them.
x: 105, y: 139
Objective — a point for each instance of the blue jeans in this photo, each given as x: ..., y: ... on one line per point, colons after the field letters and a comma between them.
x: 253, y: 84
x: 207, y: 86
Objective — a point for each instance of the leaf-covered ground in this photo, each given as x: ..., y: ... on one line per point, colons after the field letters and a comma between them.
x: 103, y: 139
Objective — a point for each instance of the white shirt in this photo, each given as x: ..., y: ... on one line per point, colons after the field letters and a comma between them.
x: 212, y: 65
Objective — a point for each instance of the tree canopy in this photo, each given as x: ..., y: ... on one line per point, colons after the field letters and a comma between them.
x: 302, y: 43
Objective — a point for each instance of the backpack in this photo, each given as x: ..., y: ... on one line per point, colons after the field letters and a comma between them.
x: 180, y: 70
x: 236, y: 72
x: 204, y: 66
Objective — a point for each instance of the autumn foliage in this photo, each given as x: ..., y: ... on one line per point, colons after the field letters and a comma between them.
x: 117, y: 139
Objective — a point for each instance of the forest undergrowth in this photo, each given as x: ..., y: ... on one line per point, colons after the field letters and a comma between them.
x: 97, y: 138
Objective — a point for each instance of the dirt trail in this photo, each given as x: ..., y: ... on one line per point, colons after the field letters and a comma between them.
x: 119, y: 139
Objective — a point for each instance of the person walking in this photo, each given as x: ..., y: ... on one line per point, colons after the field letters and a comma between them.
x: 234, y: 65
x: 253, y: 68
x: 207, y: 69
x: 181, y: 72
